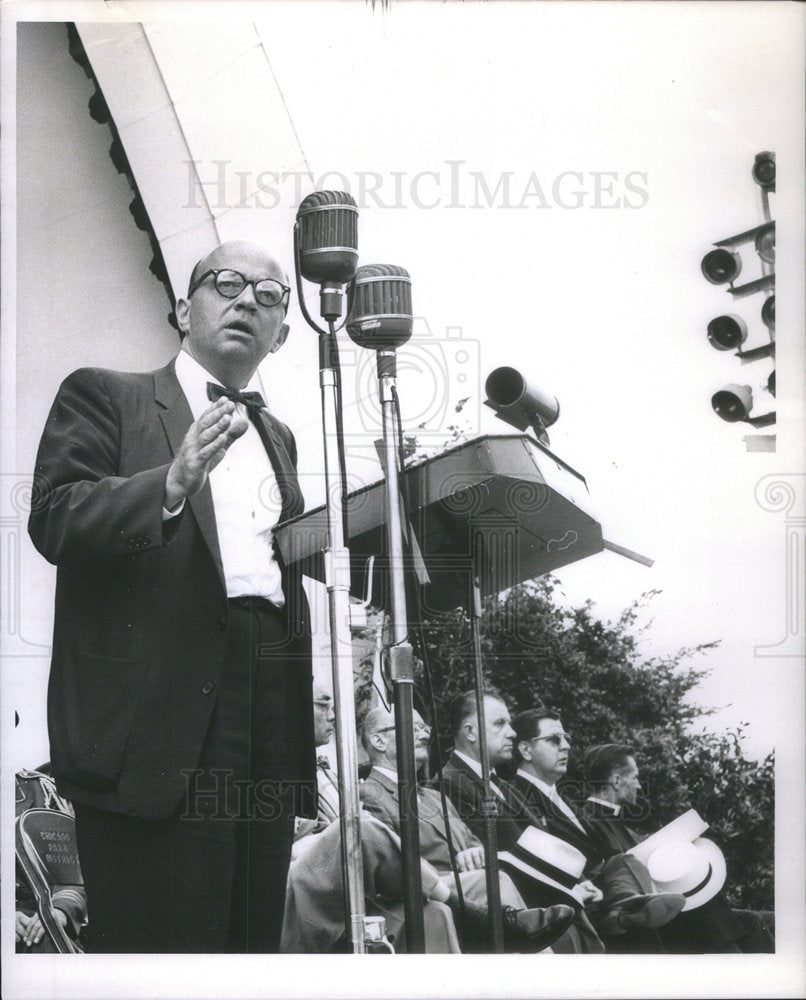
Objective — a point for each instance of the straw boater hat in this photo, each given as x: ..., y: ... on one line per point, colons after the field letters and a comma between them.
x: 679, y: 860
x: 547, y: 859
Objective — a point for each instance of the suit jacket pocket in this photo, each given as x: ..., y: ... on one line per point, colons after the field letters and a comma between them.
x: 99, y: 700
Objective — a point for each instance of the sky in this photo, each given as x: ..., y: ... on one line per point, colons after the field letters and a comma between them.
x: 552, y: 197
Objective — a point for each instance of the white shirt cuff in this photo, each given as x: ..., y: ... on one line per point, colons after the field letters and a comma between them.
x: 168, y: 514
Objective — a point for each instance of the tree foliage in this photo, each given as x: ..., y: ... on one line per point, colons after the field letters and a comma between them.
x: 536, y: 651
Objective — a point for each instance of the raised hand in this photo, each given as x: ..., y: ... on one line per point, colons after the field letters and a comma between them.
x: 203, y: 447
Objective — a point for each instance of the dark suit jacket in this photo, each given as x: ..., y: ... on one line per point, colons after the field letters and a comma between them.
x: 613, y: 834
x: 558, y: 824
x: 465, y: 790
x: 139, y: 634
x: 380, y: 797
x: 711, y: 927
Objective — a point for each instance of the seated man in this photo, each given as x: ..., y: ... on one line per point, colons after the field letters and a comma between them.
x: 612, y: 774
x: 327, y: 784
x: 462, y: 778
x: 630, y: 902
x: 534, y: 928
x: 314, y: 908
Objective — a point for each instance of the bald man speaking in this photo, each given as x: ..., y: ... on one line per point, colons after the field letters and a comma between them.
x: 179, y: 702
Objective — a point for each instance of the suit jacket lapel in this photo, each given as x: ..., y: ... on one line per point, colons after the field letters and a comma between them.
x: 388, y: 785
x: 557, y: 822
x: 176, y: 418
x: 429, y: 808
x: 460, y: 765
x: 538, y: 800
x: 521, y: 806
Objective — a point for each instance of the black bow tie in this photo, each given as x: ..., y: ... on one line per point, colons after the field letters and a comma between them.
x: 323, y: 763
x: 251, y: 400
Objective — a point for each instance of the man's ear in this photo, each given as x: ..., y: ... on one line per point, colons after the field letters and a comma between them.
x: 281, y: 338
x: 182, y: 312
x: 525, y: 750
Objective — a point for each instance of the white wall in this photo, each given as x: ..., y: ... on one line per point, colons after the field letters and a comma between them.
x: 85, y: 296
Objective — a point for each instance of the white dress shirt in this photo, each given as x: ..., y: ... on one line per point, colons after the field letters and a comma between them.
x: 554, y: 795
x: 475, y: 766
x: 612, y: 807
x: 246, y: 500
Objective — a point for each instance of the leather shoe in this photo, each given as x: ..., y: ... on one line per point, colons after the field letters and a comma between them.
x: 534, y: 930
x: 525, y: 930
x: 642, y: 911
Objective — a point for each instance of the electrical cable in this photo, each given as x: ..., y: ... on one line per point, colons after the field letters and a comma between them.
x: 333, y: 348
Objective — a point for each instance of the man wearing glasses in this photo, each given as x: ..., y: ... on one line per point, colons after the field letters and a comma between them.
x: 622, y: 901
x: 179, y: 703
x: 542, y: 762
x: 327, y: 782
x: 530, y: 929
x: 462, y: 780
x: 627, y: 901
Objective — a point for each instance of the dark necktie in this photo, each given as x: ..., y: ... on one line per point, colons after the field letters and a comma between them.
x: 251, y: 400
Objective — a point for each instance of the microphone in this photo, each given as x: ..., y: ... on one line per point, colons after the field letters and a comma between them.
x: 380, y: 316
x: 326, y: 240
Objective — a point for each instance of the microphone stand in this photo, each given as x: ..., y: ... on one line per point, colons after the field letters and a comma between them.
x: 337, y: 580
x: 401, y: 659
x: 489, y: 806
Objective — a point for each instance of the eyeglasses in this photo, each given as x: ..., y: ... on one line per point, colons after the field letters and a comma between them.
x: 230, y: 284
x: 555, y: 738
x: 419, y: 727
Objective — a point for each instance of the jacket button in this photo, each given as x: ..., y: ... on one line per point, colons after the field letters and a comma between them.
x: 220, y: 624
x: 207, y: 688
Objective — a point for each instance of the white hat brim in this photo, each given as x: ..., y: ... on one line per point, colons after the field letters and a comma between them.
x: 687, y: 826
x: 716, y: 878
x: 534, y: 873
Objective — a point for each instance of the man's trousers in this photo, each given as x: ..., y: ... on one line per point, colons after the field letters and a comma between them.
x: 212, y: 876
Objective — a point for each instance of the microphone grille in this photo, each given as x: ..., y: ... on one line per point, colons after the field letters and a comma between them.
x: 327, y: 224
x: 320, y: 198
x: 379, y: 270
x: 383, y: 289
x: 381, y: 314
